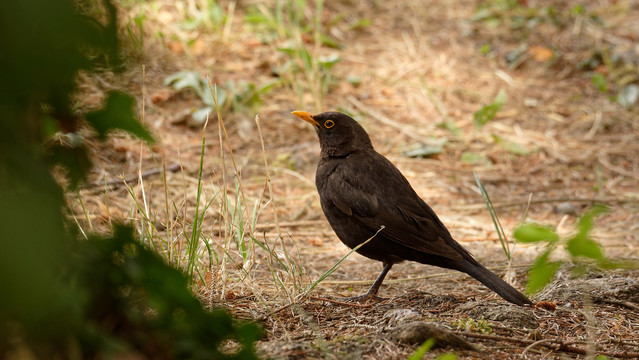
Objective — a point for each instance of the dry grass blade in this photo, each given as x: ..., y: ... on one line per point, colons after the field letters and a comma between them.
x: 337, y: 264
x: 287, y: 257
x: 411, y: 72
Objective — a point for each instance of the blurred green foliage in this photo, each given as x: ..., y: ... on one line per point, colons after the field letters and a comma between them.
x: 63, y: 297
x: 584, y: 251
x: 234, y: 96
x: 296, y: 29
x: 488, y: 112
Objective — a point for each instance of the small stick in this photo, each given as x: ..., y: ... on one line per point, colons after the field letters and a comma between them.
x: 542, y: 341
x: 130, y: 180
x: 561, y: 346
x: 547, y: 200
x: 367, y: 306
x: 627, y: 304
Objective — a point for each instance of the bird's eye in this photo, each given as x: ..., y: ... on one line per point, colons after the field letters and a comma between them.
x: 329, y: 124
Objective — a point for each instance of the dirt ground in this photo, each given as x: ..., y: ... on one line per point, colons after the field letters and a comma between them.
x: 413, y: 73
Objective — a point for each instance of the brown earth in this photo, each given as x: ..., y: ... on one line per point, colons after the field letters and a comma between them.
x: 405, y: 69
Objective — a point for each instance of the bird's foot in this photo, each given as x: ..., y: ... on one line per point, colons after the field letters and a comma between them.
x: 365, y: 297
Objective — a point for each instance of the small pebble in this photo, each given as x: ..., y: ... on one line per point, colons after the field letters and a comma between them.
x: 565, y: 208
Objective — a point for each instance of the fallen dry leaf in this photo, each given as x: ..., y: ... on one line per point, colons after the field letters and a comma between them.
x: 541, y: 53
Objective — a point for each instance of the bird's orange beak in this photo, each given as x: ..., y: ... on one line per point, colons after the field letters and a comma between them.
x: 308, y: 117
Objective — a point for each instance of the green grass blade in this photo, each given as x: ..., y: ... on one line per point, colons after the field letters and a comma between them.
x: 196, y: 231
x: 493, y: 215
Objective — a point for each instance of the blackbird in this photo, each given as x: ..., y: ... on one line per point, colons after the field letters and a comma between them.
x: 362, y: 192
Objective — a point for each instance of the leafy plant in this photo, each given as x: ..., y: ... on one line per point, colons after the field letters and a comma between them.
x: 287, y: 19
x: 424, y: 348
x: 99, y: 296
x: 135, y: 31
x: 234, y: 96
x: 512, y: 147
x: 468, y: 324
x: 245, y: 95
x: 316, y: 70
x: 191, y: 79
x: 488, y: 112
x: 600, y: 82
x: 432, y: 146
x: 299, y: 35
x: 614, y: 75
x: 205, y: 14
x: 520, y: 15
x: 584, y: 251
x: 421, y: 351
x: 130, y: 286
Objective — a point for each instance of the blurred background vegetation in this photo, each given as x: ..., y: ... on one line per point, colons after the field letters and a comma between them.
x: 65, y: 296
x: 534, y: 96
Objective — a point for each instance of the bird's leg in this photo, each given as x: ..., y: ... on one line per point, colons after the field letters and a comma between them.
x: 372, y: 292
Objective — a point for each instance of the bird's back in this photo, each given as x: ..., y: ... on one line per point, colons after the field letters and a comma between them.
x: 363, y: 191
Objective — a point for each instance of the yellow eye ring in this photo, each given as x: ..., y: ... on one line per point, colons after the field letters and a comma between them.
x: 329, y: 124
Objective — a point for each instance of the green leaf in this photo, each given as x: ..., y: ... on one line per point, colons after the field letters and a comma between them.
x: 483, y: 14
x: 447, y: 356
x: 473, y: 158
x: 74, y: 160
x: 578, y: 9
x: 327, y: 41
x: 488, y: 112
x: 581, y: 245
x: 450, y: 126
x: 199, y: 116
x: 360, y: 24
x: 587, y: 220
x: 541, y: 273
x: 485, y: 49
x: 328, y: 62
x: 184, y: 79
x: 118, y: 114
x: 516, y: 148
x: 191, y: 79
x: 433, y: 146
x: 422, y: 350
x: 512, y: 147
x: 208, y: 99
x: 599, y: 81
x: 306, y: 57
x: 354, y: 80
x: 531, y: 233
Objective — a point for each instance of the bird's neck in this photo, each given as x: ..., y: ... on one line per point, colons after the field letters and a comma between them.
x: 341, y: 152
x: 333, y: 153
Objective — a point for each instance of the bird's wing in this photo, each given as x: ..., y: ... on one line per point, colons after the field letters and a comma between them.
x: 350, y: 199
x: 421, y: 232
x: 407, y: 220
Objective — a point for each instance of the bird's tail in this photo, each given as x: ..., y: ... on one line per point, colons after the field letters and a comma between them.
x: 495, y: 283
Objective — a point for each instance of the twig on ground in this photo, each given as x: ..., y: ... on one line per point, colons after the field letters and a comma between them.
x: 131, y: 179
x: 341, y: 302
x: 627, y: 304
x: 603, y: 160
x: 546, y: 200
x: 539, y: 342
x: 560, y: 344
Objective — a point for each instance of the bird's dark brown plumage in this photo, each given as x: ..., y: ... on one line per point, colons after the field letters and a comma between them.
x: 361, y: 191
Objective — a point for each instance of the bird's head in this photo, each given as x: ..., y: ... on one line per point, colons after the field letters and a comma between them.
x: 339, y: 134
